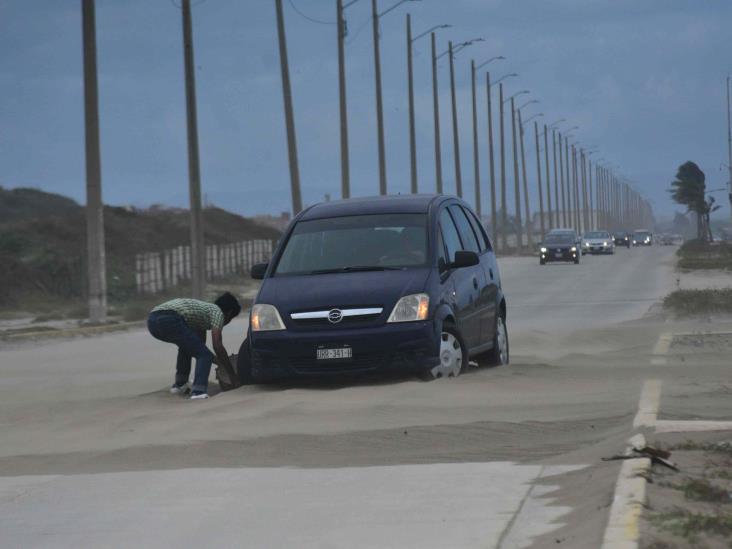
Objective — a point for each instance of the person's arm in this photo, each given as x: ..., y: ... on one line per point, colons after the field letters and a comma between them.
x: 222, y: 357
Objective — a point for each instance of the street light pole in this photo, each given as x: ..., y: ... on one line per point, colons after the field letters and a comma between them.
x: 548, y: 178
x: 494, y: 221
x: 379, y: 102
x: 538, y: 181
x: 96, y: 260
x: 289, y: 116
x: 527, y: 209
x: 504, y: 206
x: 343, y: 111
x: 516, y: 182
x: 557, y: 221
x: 412, y: 135
x: 729, y: 148
x: 436, y: 110
x: 476, y: 164
x: 198, y: 266
x: 455, y: 136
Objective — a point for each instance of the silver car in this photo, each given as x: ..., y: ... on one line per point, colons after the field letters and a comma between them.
x: 598, y: 242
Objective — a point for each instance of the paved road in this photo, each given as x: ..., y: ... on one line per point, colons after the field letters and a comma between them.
x: 96, y: 453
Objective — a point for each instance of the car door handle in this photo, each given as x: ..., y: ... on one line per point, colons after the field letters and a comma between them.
x: 475, y: 283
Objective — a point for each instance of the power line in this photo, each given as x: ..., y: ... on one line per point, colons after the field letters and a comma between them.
x: 311, y: 19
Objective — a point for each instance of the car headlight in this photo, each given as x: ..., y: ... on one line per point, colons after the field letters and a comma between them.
x: 574, y: 248
x: 542, y: 250
x: 410, y: 308
x: 587, y: 244
x: 604, y: 243
x: 265, y: 318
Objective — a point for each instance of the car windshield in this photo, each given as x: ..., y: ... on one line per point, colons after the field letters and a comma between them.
x: 641, y: 235
x: 353, y: 243
x: 559, y: 240
x: 597, y: 234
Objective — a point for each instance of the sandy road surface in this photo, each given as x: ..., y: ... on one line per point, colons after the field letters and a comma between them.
x: 91, y: 438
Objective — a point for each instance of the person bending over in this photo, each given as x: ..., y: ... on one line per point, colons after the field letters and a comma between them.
x: 184, y: 322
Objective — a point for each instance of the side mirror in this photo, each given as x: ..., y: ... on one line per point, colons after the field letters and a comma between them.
x: 257, y: 271
x: 464, y: 259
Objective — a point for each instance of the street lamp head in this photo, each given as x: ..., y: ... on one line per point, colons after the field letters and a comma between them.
x: 530, y: 102
x: 573, y: 128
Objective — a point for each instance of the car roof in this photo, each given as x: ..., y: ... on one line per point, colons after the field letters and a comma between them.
x: 410, y: 203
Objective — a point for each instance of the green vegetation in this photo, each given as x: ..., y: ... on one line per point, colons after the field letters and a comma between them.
x: 695, y: 302
x: 696, y: 254
x: 688, y: 189
x: 689, y: 525
x: 43, y: 246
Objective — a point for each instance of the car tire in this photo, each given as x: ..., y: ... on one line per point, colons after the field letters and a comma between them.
x: 244, y: 363
x: 577, y: 260
x: 542, y: 262
x: 499, y: 354
x: 453, y: 356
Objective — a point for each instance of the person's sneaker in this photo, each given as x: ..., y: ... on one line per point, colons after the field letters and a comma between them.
x: 198, y: 395
x: 179, y: 389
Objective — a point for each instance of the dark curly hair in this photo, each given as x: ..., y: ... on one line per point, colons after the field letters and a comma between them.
x: 228, y: 304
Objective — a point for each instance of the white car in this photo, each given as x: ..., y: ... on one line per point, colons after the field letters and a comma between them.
x: 598, y: 242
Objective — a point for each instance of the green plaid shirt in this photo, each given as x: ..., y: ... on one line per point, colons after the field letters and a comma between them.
x: 199, y: 315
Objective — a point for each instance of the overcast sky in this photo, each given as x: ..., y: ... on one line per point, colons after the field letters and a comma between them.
x: 644, y: 80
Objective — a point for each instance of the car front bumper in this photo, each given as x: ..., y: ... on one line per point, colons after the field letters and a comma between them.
x: 598, y: 249
x: 558, y: 254
x: 404, y: 346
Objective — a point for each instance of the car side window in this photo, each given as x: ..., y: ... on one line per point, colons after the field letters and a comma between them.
x: 483, y: 240
x: 470, y: 243
x: 450, y: 235
x: 441, y: 256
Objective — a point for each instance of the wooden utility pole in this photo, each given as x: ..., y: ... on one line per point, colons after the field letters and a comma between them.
x: 289, y: 116
x: 729, y: 149
x: 379, y: 103
x: 343, y: 111
x: 557, y: 222
x: 436, y: 113
x: 527, y: 209
x: 455, y: 135
x: 96, y: 263
x: 198, y: 265
x: 476, y: 161
x: 548, y: 179
x: 491, y: 160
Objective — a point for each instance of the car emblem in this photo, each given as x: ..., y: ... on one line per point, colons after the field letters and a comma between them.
x: 335, y: 316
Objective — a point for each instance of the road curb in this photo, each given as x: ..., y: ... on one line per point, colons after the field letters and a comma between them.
x: 623, y: 528
x: 73, y: 332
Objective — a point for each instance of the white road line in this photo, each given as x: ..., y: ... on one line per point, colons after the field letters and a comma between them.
x: 648, y: 406
x: 660, y: 350
x: 672, y: 426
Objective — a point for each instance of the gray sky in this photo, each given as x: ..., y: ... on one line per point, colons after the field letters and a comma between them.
x: 644, y: 80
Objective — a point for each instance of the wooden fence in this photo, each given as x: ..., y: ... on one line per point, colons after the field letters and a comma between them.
x: 156, y: 272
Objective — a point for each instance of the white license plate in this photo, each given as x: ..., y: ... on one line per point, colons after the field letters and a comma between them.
x: 335, y: 354
x: 557, y: 254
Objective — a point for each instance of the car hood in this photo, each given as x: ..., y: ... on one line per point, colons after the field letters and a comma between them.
x: 341, y: 290
x: 597, y: 241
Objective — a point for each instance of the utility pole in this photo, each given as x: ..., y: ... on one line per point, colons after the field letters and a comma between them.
x: 455, y: 136
x: 561, y: 182
x: 198, y: 265
x: 527, y: 209
x: 494, y: 221
x: 289, y: 116
x: 345, y: 168
x: 557, y: 222
x: 568, y: 182
x: 593, y: 214
x: 379, y: 104
x: 410, y: 86
x: 548, y: 178
x: 504, y: 205
x: 476, y: 165
x: 538, y: 181
x: 516, y: 181
x: 436, y: 112
x: 96, y: 261
x: 729, y: 148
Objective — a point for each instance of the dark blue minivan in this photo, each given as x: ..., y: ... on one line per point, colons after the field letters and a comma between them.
x: 405, y: 283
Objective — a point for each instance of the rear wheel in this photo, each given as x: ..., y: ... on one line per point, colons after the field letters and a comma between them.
x: 499, y: 355
x: 577, y: 260
x: 453, y: 355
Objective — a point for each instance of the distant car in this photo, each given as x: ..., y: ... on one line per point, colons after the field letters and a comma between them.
x: 642, y: 237
x: 563, y: 231
x: 559, y: 246
x: 622, y: 238
x: 598, y: 242
x: 666, y: 239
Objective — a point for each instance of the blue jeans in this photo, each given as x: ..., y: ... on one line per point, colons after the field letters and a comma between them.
x: 170, y: 327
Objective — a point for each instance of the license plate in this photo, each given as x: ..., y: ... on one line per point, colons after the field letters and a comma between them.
x: 557, y: 254
x: 335, y: 354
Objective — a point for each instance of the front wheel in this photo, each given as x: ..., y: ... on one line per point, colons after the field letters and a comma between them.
x: 453, y: 356
x: 244, y: 363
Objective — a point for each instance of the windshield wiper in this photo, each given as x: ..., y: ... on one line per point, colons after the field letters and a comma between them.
x: 356, y: 268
